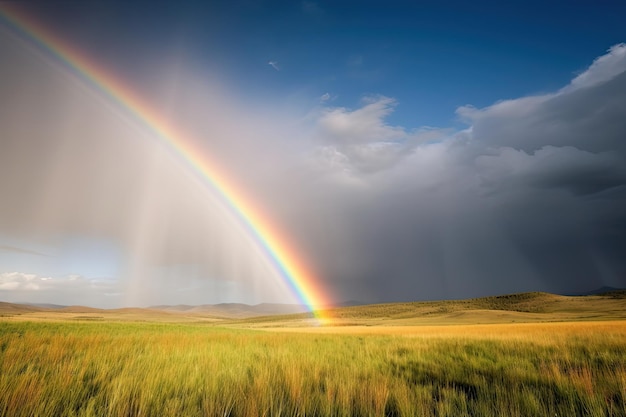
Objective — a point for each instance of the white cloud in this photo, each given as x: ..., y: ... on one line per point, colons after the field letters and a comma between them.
x: 10, y: 281
x: 22, y: 281
x: 586, y: 114
x: 364, y: 125
x: 361, y: 141
x: 67, y: 290
x: 516, y: 108
x: 274, y: 65
x: 325, y: 97
x: 603, y: 68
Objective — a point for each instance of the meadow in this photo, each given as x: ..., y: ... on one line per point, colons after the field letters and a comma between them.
x: 102, y: 367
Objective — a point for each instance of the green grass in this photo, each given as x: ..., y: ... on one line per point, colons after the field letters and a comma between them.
x: 159, y: 369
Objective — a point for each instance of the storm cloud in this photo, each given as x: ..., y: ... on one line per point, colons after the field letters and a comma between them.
x: 531, y: 196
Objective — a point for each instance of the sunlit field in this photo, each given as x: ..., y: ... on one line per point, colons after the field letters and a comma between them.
x: 106, y: 368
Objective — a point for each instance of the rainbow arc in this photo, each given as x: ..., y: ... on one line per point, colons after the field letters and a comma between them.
x: 298, y: 276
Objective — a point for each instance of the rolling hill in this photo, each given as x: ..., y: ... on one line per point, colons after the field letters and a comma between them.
x: 522, y: 307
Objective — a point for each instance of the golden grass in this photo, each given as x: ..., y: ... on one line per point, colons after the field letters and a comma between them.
x: 103, y: 368
x: 529, y: 331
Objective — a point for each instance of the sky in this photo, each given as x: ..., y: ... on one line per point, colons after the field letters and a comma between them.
x: 435, y: 150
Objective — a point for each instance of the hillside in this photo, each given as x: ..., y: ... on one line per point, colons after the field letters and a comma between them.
x: 234, y: 310
x: 523, y: 307
x: 10, y: 308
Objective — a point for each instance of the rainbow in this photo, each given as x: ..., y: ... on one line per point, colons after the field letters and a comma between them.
x: 298, y: 276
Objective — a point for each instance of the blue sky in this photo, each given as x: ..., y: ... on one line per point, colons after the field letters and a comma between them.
x: 409, y: 151
x: 432, y: 57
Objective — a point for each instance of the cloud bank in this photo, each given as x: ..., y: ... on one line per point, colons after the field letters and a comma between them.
x: 531, y: 196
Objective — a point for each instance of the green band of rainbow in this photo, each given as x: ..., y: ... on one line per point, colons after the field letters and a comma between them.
x: 283, y: 256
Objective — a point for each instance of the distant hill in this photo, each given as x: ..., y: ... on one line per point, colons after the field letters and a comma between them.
x: 45, y: 305
x: 522, y: 307
x: 235, y: 310
x: 10, y: 308
x: 223, y: 311
x: 79, y: 309
x: 600, y: 291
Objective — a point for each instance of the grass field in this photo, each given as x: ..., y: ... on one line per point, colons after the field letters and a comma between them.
x: 111, y: 368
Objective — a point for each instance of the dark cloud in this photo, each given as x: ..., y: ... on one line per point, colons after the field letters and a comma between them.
x: 532, y: 196
x: 580, y: 172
